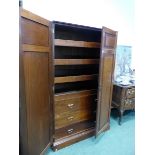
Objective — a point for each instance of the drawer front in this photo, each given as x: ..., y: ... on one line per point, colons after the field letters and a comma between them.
x: 74, y: 128
x: 75, y: 104
x: 129, y: 103
x: 130, y: 93
x: 65, y: 119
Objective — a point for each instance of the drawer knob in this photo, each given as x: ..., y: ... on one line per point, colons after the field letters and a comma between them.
x: 70, y: 118
x: 70, y: 130
x: 70, y: 105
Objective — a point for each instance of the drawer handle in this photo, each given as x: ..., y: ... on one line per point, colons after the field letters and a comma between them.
x: 70, y: 130
x: 70, y: 105
x: 130, y: 92
x: 70, y: 118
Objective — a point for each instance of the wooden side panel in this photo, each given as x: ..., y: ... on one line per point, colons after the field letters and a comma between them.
x: 23, y: 135
x: 34, y: 66
x: 107, y: 60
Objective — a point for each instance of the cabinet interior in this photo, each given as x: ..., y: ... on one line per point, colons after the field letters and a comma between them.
x: 77, y: 62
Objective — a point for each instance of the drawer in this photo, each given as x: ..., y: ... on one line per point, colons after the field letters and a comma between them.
x: 75, y: 104
x: 68, y: 118
x: 130, y: 93
x: 74, y: 128
x: 129, y: 103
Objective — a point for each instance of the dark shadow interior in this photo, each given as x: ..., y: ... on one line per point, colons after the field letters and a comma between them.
x: 71, y: 32
x: 76, y: 53
x: 71, y: 70
x: 75, y: 86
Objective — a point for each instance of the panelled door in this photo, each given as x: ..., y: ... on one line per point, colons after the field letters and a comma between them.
x: 106, y: 69
x: 34, y: 83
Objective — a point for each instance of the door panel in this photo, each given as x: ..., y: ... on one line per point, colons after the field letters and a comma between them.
x: 37, y: 97
x: 34, y: 80
x: 107, y: 60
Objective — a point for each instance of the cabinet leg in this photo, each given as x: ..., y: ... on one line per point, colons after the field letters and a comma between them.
x: 120, y: 116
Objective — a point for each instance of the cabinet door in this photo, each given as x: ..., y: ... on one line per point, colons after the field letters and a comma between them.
x: 34, y: 83
x: 107, y: 61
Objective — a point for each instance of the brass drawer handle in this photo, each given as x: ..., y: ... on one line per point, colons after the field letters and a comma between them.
x: 70, y: 118
x: 131, y: 91
x: 70, y: 105
x: 70, y: 130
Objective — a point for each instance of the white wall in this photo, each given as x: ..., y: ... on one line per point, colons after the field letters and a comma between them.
x: 114, y: 14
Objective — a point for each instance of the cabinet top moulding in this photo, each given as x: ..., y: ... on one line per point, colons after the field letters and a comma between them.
x: 73, y: 43
x: 75, y: 61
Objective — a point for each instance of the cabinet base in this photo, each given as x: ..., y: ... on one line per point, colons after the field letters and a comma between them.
x: 66, y: 141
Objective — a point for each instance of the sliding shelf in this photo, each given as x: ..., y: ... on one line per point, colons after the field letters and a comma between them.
x: 72, y: 43
x: 75, y: 78
x: 74, y: 94
x: 75, y: 61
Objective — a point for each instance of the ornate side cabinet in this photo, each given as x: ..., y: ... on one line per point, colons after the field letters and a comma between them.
x: 123, y: 98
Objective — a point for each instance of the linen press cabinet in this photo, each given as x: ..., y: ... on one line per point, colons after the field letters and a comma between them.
x: 75, y: 66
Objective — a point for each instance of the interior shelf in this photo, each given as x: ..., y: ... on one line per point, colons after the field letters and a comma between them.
x: 75, y: 61
x: 73, y: 43
x: 75, y: 78
x: 73, y: 94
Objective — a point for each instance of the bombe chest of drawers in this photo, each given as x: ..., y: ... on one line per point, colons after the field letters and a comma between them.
x: 123, y: 98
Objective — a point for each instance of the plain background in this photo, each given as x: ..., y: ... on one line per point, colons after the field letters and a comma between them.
x: 114, y: 14
x: 143, y: 43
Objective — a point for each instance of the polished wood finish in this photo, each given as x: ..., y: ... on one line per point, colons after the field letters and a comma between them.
x: 65, y: 119
x: 63, y: 142
x: 34, y: 48
x: 73, y: 129
x: 34, y: 33
x: 65, y: 82
x: 77, y: 94
x: 36, y: 83
x: 75, y: 106
x: 75, y: 78
x: 34, y: 80
x: 29, y: 15
x: 107, y: 61
x: 23, y: 134
x: 75, y: 61
x: 76, y: 103
x: 123, y: 98
x: 72, y: 43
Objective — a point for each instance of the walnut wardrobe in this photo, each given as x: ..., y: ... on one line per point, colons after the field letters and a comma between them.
x: 66, y: 73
